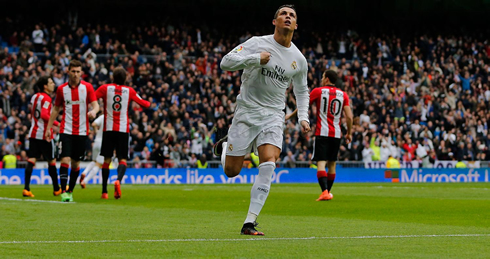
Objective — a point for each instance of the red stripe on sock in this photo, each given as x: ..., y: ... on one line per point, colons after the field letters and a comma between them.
x: 331, y: 177
x: 65, y: 165
x: 320, y: 174
x: 78, y: 169
x: 52, y: 164
x: 105, y: 166
x: 123, y: 163
x: 32, y: 163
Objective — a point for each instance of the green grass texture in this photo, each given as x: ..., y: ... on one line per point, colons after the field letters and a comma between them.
x: 388, y: 220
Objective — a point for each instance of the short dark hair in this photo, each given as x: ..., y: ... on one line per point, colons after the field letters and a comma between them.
x: 41, y: 82
x: 74, y: 63
x: 119, y: 76
x: 331, y: 75
x: 285, y: 5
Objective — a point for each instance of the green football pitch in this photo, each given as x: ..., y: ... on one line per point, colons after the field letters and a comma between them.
x: 363, y: 220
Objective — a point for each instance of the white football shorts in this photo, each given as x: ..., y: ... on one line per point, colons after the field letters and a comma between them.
x: 251, y: 129
x: 96, y: 152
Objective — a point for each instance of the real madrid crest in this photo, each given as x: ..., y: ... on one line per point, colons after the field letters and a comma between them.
x: 293, y: 65
x: 230, y: 147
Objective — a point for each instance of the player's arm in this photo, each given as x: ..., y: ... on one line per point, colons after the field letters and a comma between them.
x: 45, y: 113
x: 349, y: 117
x: 289, y: 116
x: 54, y: 114
x: 92, y: 114
x: 101, y: 92
x: 300, y: 89
x: 58, y: 102
x: 135, y: 97
x: 243, y: 56
x: 313, y: 96
x: 95, y: 109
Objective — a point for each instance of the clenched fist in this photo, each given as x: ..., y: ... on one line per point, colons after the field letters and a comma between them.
x: 264, y: 57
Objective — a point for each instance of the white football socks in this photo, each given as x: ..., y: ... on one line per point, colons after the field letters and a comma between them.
x: 223, y: 154
x: 92, y: 173
x: 260, y: 190
x: 88, y: 168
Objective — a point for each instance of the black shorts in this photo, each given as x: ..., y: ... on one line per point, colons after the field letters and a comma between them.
x: 114, y: 140
x: 326, y: 149
x: 72, y: 146
x: 39, y: 147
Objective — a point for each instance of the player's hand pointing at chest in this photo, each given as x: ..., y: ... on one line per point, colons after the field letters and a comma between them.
x: 264, y: 57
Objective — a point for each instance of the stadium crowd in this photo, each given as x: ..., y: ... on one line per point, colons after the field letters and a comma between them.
x: 420, y: 98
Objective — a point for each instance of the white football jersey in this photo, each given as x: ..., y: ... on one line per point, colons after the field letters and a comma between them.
x: 99, y: 122
x: 264, y: 86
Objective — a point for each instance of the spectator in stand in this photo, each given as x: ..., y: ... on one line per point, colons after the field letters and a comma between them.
x: 375, y: 148
x: 356, y: 152
x: 202, y: 162
x: 38, y: 38
x: 9, y: 160
x: 409, y: 149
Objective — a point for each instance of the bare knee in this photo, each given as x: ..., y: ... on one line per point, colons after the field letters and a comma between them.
x: 75, y: 164
x: 232, y: 170
x: 233, y: 165
x: 331, y: 166
x: 268, y: 153
x: 65, y: 160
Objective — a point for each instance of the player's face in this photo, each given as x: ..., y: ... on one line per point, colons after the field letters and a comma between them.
x: 286, y: 18
x: 75, y: 74
x: 50, y: 86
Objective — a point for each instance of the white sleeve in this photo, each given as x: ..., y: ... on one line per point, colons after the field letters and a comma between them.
x: 99, y: 121
x: 242, y: 56
x: 300, y: 88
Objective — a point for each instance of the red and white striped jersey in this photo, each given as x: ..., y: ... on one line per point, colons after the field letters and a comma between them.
x: 75, y: 101
x: 40, y: 112
x: 330, y: 102
x: 117, y: 99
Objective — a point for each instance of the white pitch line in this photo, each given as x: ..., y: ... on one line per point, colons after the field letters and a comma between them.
x: 32, y: 200
x: 236, y: 239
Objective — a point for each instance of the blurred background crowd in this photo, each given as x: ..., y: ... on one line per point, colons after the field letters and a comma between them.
x: 419, y: 95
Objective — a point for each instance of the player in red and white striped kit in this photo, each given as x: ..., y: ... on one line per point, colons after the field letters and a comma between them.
x: 74, y: 97
x: 117, y: 99
x: 38, y: 145
x: 330, y: 102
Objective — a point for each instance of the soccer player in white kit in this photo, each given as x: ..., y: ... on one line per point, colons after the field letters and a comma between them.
x: 97, y: 160
x: 270, y: 64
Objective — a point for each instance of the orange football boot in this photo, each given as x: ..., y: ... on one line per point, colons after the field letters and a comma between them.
x: 325, y: 196
x: 57, y: 193
x: 117, y: 190
x: 27, y: 193
x: 81, y: 181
